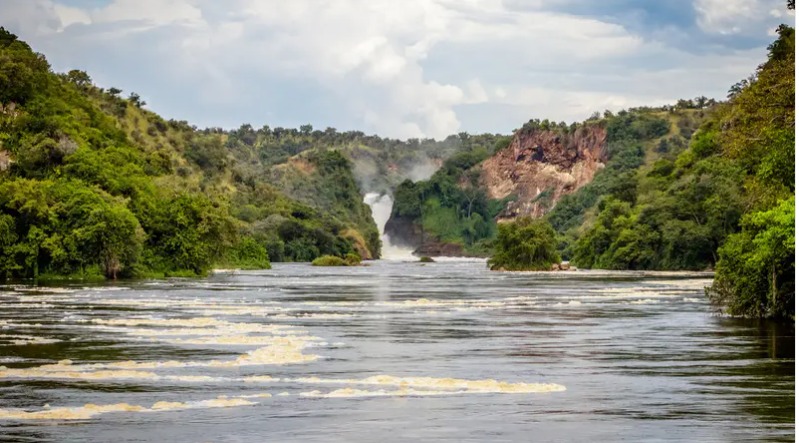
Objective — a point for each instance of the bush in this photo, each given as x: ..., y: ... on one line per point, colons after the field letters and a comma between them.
x: 352, y: 259
x: 329, y: 260
x: 426, y: 259
x: 525, y: 245
x: 249, y: 254
x: 755, y: 276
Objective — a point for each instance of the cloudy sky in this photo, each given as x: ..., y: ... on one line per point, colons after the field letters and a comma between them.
x: 401, y: 68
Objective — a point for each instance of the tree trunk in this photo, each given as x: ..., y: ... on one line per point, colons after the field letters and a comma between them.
x: 773, y: 301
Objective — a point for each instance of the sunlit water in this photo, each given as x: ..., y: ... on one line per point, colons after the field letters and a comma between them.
x: 390, y: 352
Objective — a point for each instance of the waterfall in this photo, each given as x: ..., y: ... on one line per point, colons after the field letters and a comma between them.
x: 381, y: 205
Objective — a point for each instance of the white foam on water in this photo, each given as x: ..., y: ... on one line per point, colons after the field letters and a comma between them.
x: 647, y: 301
x: 361, y: 393
x: 433, y: 384
x: 90, y: 410
x: 24, y: 340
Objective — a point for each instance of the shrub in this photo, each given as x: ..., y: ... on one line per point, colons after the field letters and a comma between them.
x: 329, y: 260
x: 525, y: 245
x: 352, y: 259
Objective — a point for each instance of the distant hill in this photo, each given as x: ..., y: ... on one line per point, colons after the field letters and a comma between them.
x: 92, y: 184
x: 545, y: 169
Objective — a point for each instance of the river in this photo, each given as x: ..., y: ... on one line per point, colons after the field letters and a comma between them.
x: 392, y: 351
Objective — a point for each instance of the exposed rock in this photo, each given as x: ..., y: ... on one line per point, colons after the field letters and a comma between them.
x: 5, y: 160
x: 407, y: 232
x: 404, y: 232
x: 540, y: 167
x: 435, y: 248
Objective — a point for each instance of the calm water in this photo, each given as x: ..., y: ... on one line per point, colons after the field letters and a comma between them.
x: 390, y: 352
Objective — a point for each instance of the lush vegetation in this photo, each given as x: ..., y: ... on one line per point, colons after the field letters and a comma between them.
x: 452, y: 205
x: 698, y: 185
x: 724, y: 203
x: 756, y: 270
x: 92, y: 184
x: 525, y: 245
x: 332, y: 260
x: 79, y: 197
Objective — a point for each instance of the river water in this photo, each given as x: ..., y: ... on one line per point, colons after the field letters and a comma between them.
x: 391, y: 351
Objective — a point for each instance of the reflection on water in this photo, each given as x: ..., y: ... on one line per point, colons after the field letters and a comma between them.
x: 390, y: 352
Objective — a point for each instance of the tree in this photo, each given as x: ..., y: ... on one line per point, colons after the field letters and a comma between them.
x: 79, y: 78
x: 524, y: 245
x: 756, y: 270
x: 112, y: 234
x: 136, y: 100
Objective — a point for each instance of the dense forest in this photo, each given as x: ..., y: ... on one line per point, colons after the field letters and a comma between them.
x: 453, y: 206
x: 699, y: 185
x: 94, y: 185
x: 723, y: 202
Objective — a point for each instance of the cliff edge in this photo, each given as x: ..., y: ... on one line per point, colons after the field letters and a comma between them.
x: 540, y: 166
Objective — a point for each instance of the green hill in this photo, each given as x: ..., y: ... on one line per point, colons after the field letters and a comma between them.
x: 92, y: 185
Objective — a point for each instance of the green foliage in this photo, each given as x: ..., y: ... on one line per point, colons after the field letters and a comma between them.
x: 452, y: 205
x: 726, y: 202
x: 525, y: 245
x: 426, y: 259
x: 65, y: 226
x: 761, y: 122
x: 627, y: 133
x: 248, y: 253
x: 352, y: 259
x: 98, y: 183
x: 22, y: 72
x: 756, y: 268
x: 407, y: 200
x: 329, y: 260
x: 755, y: 276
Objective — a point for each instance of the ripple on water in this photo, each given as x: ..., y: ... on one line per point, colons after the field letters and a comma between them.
x: 244, y: 333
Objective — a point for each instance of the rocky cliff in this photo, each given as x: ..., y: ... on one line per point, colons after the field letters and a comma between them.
x: 541, y: 166
x: 457, y: 206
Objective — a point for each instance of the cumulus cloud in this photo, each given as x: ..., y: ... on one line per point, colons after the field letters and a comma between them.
x: 416, y: 68
x: 737, y: 16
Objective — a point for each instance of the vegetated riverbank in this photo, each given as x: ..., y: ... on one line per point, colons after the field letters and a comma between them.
x: 91, y: 183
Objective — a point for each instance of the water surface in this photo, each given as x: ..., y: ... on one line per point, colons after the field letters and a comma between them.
x: 390, y: 352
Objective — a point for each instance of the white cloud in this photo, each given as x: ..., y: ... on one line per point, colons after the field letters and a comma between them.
x: 736, y: 16
x: 71, y: 16
x: 401, y: 69
x: 151, y: 12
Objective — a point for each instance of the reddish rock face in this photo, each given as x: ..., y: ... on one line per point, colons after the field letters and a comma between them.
x: 540, y: 167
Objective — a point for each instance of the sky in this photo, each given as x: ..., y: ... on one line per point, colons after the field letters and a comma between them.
x: 401, y: 68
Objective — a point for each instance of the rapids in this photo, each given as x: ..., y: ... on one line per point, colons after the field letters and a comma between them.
x: 392, y: 351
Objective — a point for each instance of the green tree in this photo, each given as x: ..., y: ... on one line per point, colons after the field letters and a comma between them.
x: 80, y: 78
x: 756, y: 271
x: 524, y: 245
